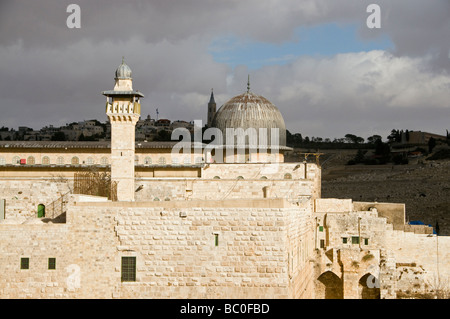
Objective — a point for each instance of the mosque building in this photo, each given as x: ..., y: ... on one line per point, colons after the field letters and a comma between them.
x: 241, y: 223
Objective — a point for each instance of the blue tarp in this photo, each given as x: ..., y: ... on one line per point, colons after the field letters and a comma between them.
x: 418, y: 222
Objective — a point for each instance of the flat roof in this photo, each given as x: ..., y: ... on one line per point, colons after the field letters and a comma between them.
x: 126, y: 93
x: 90, y: 144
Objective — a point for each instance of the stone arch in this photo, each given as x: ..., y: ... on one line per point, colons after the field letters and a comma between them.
x: 369, y: 287
x: 332, y: 286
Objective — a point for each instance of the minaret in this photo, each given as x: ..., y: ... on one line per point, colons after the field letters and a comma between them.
x: 211, y: 109
x: 123, y: 110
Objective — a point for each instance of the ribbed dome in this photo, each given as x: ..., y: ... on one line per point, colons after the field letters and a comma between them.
x: 123, y: 71
x: 250, y: 110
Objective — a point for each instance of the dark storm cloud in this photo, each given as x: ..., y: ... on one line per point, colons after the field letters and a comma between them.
x: 53, y: 75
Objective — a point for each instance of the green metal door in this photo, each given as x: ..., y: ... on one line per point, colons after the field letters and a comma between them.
x: 41, y: 211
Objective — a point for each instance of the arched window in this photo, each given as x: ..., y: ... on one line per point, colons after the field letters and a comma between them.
x: 263, y: 177
x: 175, y: 160
x: 187, y: 160
x: 16, y: 160
x: 162, y: 160
x: 287, y: 176
x: 90, y: 161
x: 216, y: 177
x: 104, y: 160
x: 60, y: 160
x: 148, y: 160
x: 2, y: 161
x: 41, y: 211
x: 75, y: 161
x: 46, y: 160
x: 240, y: 177
x: 30, y: 160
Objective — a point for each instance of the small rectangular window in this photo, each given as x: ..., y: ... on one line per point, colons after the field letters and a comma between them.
x: 322, y: 243
x: 52, y: 263
x: 366, y: 241
x: 128, y: 269
x: 355, y: 240
x: 216, y: 240
x: 320, y: 228
x: 344, y: 240
x: 25, y: 263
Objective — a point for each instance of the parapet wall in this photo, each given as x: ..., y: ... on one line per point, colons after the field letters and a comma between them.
x: 393, y: 212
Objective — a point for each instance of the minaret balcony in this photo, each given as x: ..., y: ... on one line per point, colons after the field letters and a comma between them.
x: 129, y: 108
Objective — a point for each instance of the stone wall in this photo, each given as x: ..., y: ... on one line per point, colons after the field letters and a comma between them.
x: 23, y: 196
x: 422, y: 263
x: 175, y: 248
x: 38, y: 242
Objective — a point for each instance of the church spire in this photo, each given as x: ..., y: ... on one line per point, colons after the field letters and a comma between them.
x: 211, y: 109
x: 211, y: 100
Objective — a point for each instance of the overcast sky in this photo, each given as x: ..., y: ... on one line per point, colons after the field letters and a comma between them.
x: 316, y: 60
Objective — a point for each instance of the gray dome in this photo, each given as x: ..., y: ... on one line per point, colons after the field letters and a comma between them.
x: 123, y: 71
x: 250, y: 110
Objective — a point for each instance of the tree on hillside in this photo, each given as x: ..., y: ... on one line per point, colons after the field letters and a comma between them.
x: 372, y: 139
x: 58, y: 136
x: 395, y: 136
x: 351, y: 138
x: 383, y: 151
x: 431, y: 144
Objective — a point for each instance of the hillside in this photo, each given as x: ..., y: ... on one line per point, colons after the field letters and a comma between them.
x: 423, y: 185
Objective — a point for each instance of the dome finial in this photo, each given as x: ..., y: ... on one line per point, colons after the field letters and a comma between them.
x: 248, y: 84
x: 123, y: 59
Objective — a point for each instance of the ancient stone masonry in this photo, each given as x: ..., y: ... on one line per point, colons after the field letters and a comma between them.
x: 205, y: 229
